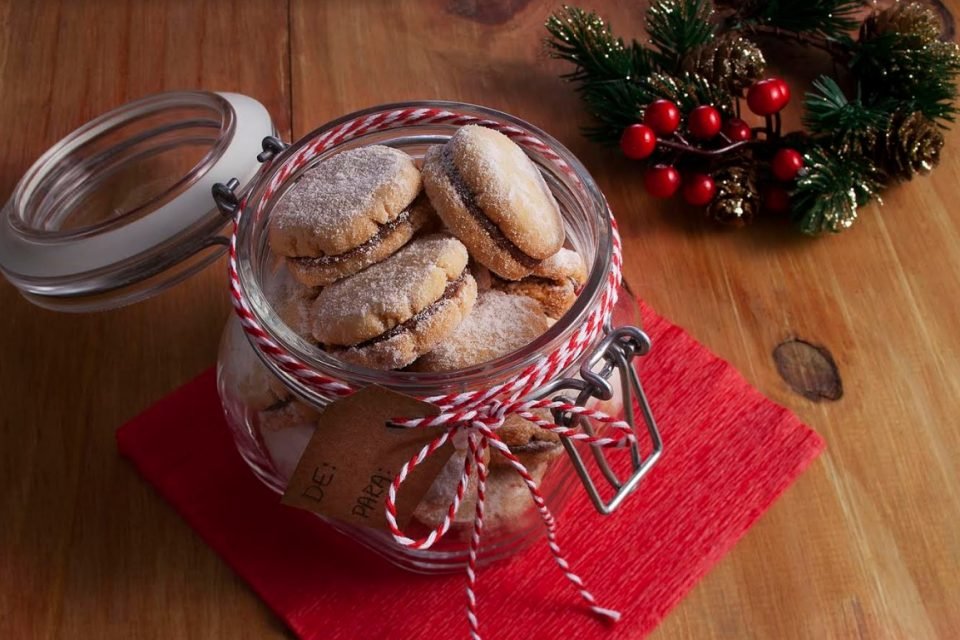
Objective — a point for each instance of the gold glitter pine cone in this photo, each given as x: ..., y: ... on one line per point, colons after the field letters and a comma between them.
x: 737, y: 199
x: 729, y: 61
x: 910, y: 145
x: 907, y: 18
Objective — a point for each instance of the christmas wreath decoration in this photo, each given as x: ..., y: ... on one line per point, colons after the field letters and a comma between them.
x: 675, y: 103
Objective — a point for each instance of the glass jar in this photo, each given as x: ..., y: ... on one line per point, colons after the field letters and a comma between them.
x: 121, y: 208
x: 273, y: 414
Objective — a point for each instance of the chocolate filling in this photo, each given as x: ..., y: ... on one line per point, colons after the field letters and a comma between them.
x: 549, y: 282
x: 469, y: 201
x: 544, y: 281
x: 453, y: 288
x: 363, y: 248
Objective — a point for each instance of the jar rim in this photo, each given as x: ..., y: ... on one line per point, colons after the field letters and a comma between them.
x: 120, y: 208
x: 418, y: 383
x: 22, y: 213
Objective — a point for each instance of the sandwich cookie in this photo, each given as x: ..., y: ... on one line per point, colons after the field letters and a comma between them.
x: 352, y: 210
x: 393, y: 312
x: 507, y: 498
x: 499, y: 324
x: 554, y: 283
x: 291, y: 301
x: 492, y: 197
x: 246, y: 378
x: 482, y: 275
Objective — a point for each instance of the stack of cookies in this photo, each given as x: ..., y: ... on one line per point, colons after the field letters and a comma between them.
x: 429, y: 270
x: 390, y: 261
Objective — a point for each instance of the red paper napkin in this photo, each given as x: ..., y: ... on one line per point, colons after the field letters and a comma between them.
x: 729, y: 453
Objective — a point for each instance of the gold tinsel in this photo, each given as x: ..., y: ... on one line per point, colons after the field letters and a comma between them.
x: 687, y: 91
x: 910, y: 145
x: 906, y: 18
x: 737, y: 200
x: 729, y: 61
x: 861, y: 143
x: 676, y: 90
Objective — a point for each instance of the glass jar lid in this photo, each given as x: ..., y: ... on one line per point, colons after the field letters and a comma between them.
x: 121, y: 208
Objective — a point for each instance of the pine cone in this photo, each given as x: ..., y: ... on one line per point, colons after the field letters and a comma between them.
x: 910, y: 145
x: 729, y: 61
x: 737, y: 199
x: 907, y: 18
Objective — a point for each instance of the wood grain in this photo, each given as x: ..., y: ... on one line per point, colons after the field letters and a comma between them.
x: 87, y: 550
x: 867, y: 544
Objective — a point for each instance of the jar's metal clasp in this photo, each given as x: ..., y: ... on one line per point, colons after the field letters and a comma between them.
x: 615, y: 353
x: 225, y: 195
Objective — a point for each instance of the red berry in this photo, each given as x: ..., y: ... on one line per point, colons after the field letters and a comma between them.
x: 662, y: 116
x: 698, y: 189
x: 704, y: 122
x: 776, y: 199
x: 737, y: 130
x: 786, y: 164
x: 784, y: 89
x: 661, y: 180
x: 638, y: 141
x: 768, y: 96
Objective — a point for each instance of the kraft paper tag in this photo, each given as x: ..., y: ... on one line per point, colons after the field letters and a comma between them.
x: 353, y: 457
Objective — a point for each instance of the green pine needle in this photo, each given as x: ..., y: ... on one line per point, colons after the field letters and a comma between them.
x: 606, y: 71
x: 614, y: 107
x: 920, y: 75
x: 829, y: 18
x: 845, y: 124
x: 678, y: 26
x: 584, y: 39
x: 831, y: 189
x: 686, y: 90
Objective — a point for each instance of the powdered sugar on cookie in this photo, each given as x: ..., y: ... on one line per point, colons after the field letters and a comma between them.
x: 565, y: 263
x: 341, y: 202
x: 386, y: 294
x: 509, y: 189
x: 292, y: 302
x: 499, y: 323
x: 424, y: 331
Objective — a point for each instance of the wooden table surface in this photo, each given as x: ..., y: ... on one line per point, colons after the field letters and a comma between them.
x: 866, y: 544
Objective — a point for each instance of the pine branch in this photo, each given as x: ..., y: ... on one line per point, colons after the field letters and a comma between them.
x: 922, y: 76
x: 686, y: 90
x: 586, y: 41
x: 831, y: 189
x: 678, y: 26
x: 606, y: 71
x: 842, y: 124
x: 826, y: 18
x: 614, y: 105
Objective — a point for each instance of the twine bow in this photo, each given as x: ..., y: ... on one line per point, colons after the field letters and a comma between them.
x: 480, y: 425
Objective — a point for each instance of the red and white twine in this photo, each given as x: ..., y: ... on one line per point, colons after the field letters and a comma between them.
x: 479, y: 413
